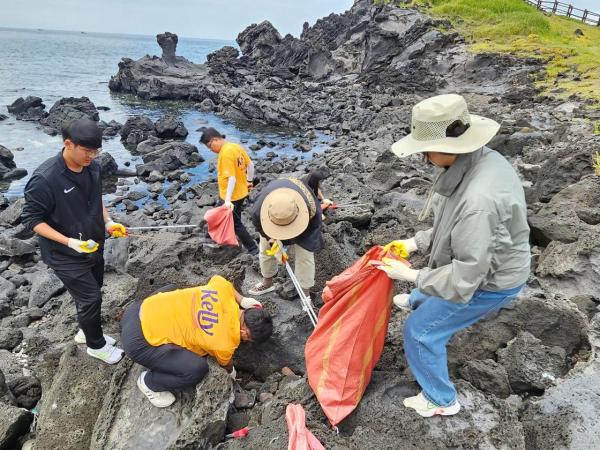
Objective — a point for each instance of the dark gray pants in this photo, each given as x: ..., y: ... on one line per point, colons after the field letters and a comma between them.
x: 240, y: 229
x: 172, y: 368
x: 84, y: 284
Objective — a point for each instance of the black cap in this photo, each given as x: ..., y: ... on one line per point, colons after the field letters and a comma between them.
x: 208, y: 134
x: 84, y: 132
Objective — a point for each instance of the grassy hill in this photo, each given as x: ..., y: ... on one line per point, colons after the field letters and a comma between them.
x: 571, y: 48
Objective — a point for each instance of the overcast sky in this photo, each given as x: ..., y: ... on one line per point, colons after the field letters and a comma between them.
x: 218, y: 19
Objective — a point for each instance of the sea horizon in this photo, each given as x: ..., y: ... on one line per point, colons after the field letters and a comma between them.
x: 100, y: 33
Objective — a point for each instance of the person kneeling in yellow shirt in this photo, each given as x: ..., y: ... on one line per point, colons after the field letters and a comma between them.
x: 172, y: 333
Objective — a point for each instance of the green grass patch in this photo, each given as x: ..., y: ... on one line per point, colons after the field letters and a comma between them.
x: 515, y: 27
x: 596, y: 163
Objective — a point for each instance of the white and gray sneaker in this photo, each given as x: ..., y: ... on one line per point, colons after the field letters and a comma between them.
x: 158, y: 399
x: 402, y: 301
x: 80, y: 338
x: 109, y: 353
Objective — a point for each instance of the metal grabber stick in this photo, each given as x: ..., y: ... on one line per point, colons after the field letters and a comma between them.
x: 306, y: 303
x: 162, y: 227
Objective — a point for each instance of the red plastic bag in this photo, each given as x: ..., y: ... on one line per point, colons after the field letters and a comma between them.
x: 220, y: 225
x: 348, y: 340
x: 300, y: 437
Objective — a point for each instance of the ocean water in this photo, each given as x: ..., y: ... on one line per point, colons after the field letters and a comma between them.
x: 57, y: 64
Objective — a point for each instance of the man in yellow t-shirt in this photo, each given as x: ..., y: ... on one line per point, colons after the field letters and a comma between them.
x: 172, y: 333
x: 235, y: 175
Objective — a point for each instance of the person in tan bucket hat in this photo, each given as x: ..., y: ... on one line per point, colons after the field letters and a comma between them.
x: 479, y: 243
x: 287, y: 210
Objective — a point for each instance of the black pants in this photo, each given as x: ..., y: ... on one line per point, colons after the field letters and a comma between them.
x: 172, y: 368
x: 84, y: 283
x: 240, y: 230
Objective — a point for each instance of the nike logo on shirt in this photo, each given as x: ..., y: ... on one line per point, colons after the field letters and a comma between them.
x: 69, y: 190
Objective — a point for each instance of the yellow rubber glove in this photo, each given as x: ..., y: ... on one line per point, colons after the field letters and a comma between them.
x: 402, y: 248
x: 88, y: 246
x: 116, y: 230
x: 277, y: 251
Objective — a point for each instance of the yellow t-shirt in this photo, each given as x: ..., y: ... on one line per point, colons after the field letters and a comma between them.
x: 203, y: 319
x: 232, y: 162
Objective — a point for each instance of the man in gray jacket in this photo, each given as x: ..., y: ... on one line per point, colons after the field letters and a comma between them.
x: 479, y: 244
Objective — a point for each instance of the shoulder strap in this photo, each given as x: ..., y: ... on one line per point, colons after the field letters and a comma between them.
x: 309, y: 197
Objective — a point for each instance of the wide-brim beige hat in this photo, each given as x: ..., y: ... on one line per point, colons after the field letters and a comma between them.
x: 284, y: 214
x: 436, y: 117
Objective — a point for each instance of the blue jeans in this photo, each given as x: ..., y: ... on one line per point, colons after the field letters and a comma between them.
x: 429, y: 328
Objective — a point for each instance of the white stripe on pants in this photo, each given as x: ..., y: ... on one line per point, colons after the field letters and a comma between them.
x: 304, y: 264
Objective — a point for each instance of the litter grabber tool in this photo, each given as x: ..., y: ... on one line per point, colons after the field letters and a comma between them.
x: 330, y: 206
x: 162, y: 227
x: 278, y: 250
x: 241, y: 433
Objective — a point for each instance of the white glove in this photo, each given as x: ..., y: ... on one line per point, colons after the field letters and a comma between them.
x: 248, y: 302
x: 88, y: 246
x: 233, y: 374
x: 327, y: 202
x: 228, y: 204
x: 397, y: 270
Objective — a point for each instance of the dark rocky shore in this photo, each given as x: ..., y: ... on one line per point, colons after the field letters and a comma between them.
x: 528, y: 377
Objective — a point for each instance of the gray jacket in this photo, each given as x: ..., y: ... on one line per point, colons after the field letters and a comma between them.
x: 480, y: 236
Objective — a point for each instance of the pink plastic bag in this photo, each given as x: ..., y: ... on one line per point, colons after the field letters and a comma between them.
x: 220, y: 225
x: 300, y: 437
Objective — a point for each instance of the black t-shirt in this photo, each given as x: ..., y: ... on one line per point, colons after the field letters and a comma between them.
x: 312, y: 238
x: 84, y: 180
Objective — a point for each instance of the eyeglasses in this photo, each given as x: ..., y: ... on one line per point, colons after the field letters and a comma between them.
x: 92, y: 151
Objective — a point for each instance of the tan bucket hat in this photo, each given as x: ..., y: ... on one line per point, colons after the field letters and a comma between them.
x: 435, y: 120
x: 284, y: 214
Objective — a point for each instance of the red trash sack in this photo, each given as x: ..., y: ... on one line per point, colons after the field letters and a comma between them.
x: 220, y: 225
x: 348, y: 339
x: 300, y: 437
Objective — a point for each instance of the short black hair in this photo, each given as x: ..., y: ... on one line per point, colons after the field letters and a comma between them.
x: 314, y: 177
x: 208, y: 134
x: 260, y: 324
x: 84, y: 132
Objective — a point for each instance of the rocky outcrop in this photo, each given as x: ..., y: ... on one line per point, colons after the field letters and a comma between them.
x: 14, y: 422
x: 565, y: 417
x: 197, y: 420
x: 69, y: 109
x: 136, y: 130
x: 530, y: 365
x: 8, y: 168
x: 168, y: 44
x: 570, y: 213
x: 30, y: 108
x: 170, y: 127
x: 168, y: 157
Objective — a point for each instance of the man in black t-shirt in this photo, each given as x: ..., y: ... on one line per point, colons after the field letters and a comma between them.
x: 289, y: 211
x: 63, y: 206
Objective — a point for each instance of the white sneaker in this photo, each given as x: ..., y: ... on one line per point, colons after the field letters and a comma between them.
x: 260, y: 289
x: 401, y: 301
x: 158, y: 399
x: 109, y: 353
x: 80, y: 338
x: 425, y: 408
